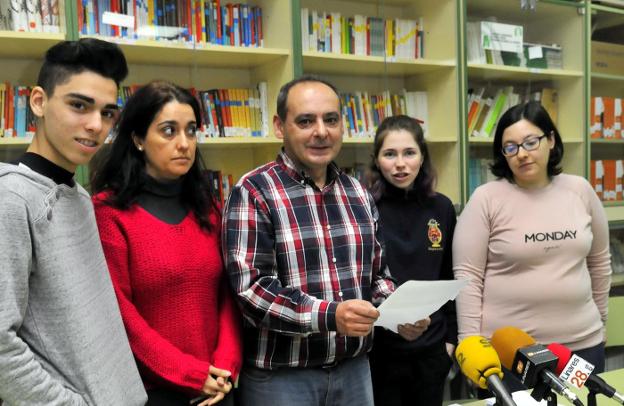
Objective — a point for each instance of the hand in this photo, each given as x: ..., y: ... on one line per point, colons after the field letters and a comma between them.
x: 217, y: 385
x: 355, y: 317
x: 410, y: 332
x: 450, y: 350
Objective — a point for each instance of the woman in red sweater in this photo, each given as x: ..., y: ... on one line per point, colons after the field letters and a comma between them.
x: 160, y: 229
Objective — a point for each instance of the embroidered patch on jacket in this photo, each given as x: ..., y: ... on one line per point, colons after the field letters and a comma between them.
x: 434, y: 234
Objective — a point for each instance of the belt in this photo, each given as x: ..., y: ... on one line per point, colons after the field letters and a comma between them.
x: 331, y: 365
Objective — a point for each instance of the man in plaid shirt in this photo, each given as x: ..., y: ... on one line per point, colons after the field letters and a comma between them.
x: 302, y: 254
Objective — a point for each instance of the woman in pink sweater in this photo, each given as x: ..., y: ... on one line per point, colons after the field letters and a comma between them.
x: 534, y: 243
x: 160, y: 229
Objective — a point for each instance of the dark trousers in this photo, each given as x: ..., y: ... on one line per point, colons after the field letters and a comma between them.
x: 167, y: 397
x: 409, y: 379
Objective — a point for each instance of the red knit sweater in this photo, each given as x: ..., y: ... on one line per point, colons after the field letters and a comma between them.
x: 176, y: 304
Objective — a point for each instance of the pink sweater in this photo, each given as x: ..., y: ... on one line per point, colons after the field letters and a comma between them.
x: 174, y: 298
x: 538, y: 260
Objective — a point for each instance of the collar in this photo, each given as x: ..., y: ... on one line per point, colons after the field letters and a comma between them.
x: 163, y: 188
x: 46, y: 168
x: 300, y: 175
x: 396, y: 193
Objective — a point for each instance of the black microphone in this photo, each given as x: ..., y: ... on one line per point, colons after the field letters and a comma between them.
x: 576, y: 371
x: 532, y: 363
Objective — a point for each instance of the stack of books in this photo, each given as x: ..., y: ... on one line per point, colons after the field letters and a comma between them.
x: 361, y: 35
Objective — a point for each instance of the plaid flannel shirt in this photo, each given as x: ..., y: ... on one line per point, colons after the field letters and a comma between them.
x: 293, y: 252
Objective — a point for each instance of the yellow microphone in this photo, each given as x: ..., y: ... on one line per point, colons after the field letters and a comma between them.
x: 479, y: 362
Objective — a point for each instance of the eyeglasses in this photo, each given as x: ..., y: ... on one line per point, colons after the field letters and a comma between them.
x: 530, y: 144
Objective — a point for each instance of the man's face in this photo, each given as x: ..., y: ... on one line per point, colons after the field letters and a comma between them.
x: 75, y: 120
x: 313, y: 129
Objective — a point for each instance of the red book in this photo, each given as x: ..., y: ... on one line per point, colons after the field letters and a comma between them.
x: 80, y: 13
x: 198, y: 20
x: 230, y: 23
x: 225, y: 110
x: 259, y: 26
x: 7, y: 102
x: 217, y: 8
x: 11, y: 111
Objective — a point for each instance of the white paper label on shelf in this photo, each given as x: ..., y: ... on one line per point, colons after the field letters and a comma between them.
x: 535, y: 52
x: 501, y: 37
x: 122, y: 20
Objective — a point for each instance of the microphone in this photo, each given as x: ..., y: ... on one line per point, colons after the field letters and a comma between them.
x: 576, y: 371
x: 532, y: 363
x: 479, y: 362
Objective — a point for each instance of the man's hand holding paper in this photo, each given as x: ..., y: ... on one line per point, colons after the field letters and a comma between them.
x: 416, y: 300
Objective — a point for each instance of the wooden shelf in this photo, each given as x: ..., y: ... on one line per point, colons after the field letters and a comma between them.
x: 240, y: 141
x: 27, y: 45
x: 189, y: 54
x: 494, y: 72
x: 607, y: 141
x: 617, y: 279
x: 607, y: 77
x: 323, y: 62
x: 15, y: 141
x: 615, y: 210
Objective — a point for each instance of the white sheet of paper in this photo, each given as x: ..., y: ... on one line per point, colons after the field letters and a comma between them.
x: 415, y: 300
x: 522, y: 398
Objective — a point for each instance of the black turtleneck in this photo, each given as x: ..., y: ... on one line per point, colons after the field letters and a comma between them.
x: 412, y: 254
x: 46, y: 168
x: 163, y: 200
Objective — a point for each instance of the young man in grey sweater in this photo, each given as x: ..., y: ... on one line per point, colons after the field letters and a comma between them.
x: 62, y: 341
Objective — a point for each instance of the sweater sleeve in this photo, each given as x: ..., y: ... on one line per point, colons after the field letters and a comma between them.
x: 383, y: 284
x: 23, y: 380
x: 599, y: 257
x: 470, y: 253
x: 228, y: 353
x: 159, y: 358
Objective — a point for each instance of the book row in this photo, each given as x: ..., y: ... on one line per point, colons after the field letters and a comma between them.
x: 607, y: 177
x: 478, y: 173
x: 17, y: 119
x: 362, y: 112
x: 361, y: 35
x: 225, y: 112
x: 486, y: 105
x: 30, y: 16
x: 605, y: 117
x: 193, y: 21
x: 221, y: 184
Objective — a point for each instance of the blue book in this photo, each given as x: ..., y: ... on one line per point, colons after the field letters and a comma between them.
x: 236, y: 24
x: 247, y: 14
x: 225, y: 34
x: 208, y: 20
x: 20, y: 110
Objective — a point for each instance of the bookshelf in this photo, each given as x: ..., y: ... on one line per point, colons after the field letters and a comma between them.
x: 551, y: 22
x: 188, y: 64
x: 603, y: 23
x: 443, y: 72
x: 436, y: 73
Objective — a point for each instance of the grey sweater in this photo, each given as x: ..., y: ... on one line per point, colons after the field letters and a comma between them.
x: 62, y: 341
